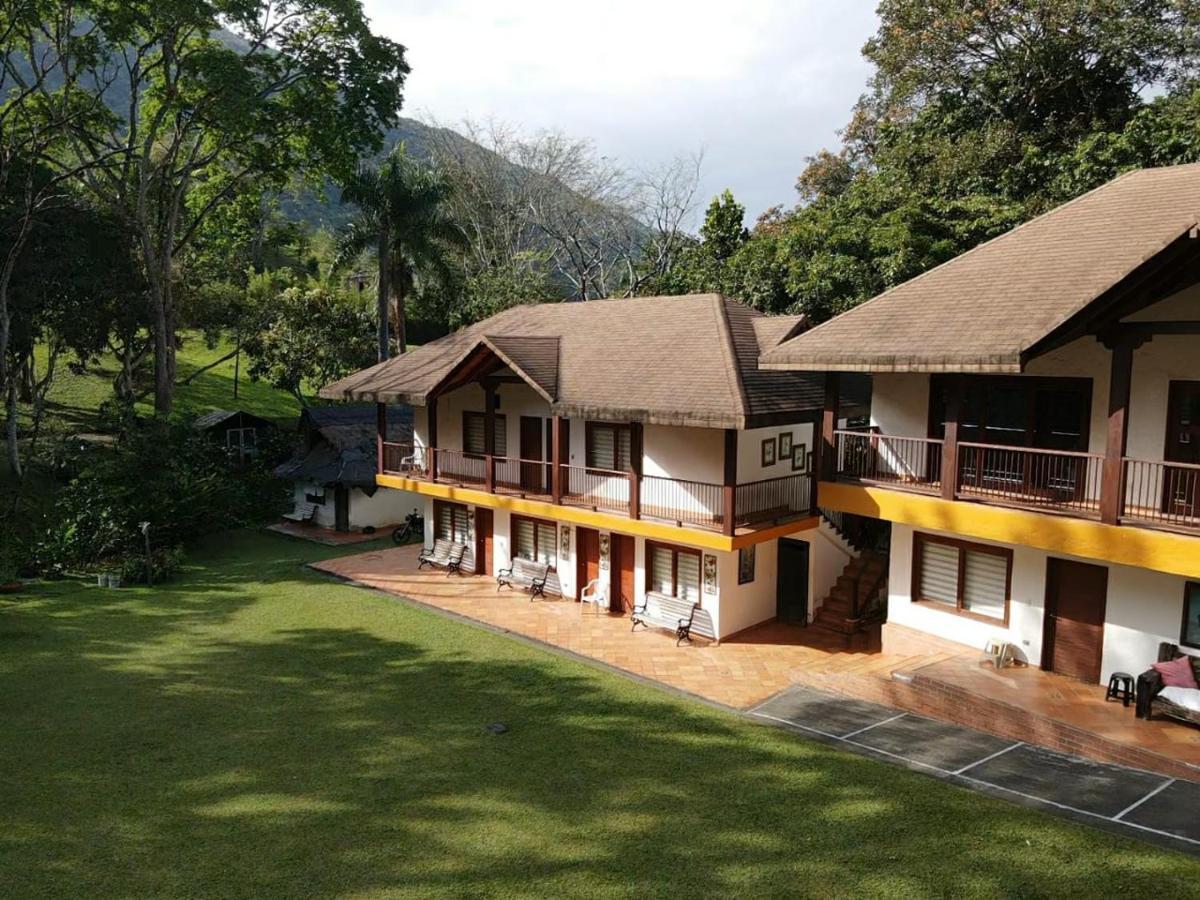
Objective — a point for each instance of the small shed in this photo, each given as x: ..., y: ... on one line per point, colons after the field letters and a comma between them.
x: 239, y: 431
x: 334, y: 467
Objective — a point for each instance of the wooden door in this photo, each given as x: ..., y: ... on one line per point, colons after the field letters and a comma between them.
x: 1073, y: 637
x: 791, y: 585
x: 1181, y: 487
x: 341, y: 508
x: 484, y: 529
x: 620, y: 595
x: 587, y: 557
x: 531, y: 449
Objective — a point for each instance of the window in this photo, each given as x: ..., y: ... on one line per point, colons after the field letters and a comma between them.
x: 475, y: 432
x: 971, y: 579
x: 1024, y: 411
x: 534, y: 540
x: 452, y: 522
x: 674, y: 571
x: 241, y: 442
x: 609, y: 446
x: 1190, y: 634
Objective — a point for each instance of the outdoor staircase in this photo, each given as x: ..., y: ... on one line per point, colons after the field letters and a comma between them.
x: 866, y: 576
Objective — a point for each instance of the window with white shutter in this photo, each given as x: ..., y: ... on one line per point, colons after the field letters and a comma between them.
x: 662, y: 570
x: 687, y: 577
x: 609, y: 446
x: 535, y: 540
x: 674, y: 571
x: 452, y: 521
x: 967, y: 578
x: 475, y: 429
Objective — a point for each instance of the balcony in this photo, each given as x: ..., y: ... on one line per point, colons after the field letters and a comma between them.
x: 1152, y: 494
x: 696, y: 504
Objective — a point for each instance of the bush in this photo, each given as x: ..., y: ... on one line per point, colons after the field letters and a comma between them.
x: 163, y: 563
x: 181, y: 482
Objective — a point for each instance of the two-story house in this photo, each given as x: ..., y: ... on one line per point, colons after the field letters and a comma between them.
x: 1034, y: 433
x: 635, y: 442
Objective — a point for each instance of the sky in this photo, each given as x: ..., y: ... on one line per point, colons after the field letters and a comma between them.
x: 756, y: 86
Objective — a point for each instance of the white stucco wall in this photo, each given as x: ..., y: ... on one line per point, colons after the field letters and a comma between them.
x: 1143, y: 609
x: 900, y: 404
x: 750, y: 467
x: 384, y: 507
x: 828, y: 556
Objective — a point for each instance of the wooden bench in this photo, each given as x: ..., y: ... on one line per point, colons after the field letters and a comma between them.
x: 443, y: 554
x: 302, y: 514
x: 527, y: 574
x: 666, y: 612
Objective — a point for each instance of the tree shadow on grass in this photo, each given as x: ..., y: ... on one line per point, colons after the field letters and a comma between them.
x: 261, y: 753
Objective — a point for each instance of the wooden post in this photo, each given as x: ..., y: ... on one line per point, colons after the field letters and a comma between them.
x: 1112, y: 479
x: 814, y: 508
x: 489, y: 436
x: 729, y: 515
x: 635, y: 470
x: 556, y: 459
x: 949, y: 472
x: 380, y: 435
x: 431, y: 415
x: 827, y: 446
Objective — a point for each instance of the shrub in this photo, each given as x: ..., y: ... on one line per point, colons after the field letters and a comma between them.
x: 163, y: 563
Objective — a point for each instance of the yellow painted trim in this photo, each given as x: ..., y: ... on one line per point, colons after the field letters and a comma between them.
x: 655, y: 531
x: 1177, y: 554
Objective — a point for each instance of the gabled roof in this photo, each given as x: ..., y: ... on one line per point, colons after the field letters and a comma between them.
x: 984, y: 311
x: 215, y: 417
x: 689, y: 360
x: 340, y: 444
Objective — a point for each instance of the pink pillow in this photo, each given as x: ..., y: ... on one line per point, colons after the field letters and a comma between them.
x: 1176, y: 673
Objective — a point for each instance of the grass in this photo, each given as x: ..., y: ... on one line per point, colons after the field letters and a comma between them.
x: 253, y: 730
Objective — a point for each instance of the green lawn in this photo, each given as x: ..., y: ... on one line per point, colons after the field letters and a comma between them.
x: 255, y: 730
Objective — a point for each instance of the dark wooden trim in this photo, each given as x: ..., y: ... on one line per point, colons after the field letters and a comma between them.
x: 675, y: 550
x: 537, y: 525
x: 589, y: 429
x: 949, y: 473
x: 556, y: 459
x: 1112, y: 480
x: 920, y: 538
x: 1183, y: 624
x: 827, y: 445
x: 729, y: 485
x: 636, y: 448
x: 1050, y: 613
x: 380, y: 434
x: 431, y: 410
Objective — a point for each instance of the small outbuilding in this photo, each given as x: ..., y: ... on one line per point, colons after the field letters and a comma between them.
x: 333, y: 470
x: 242, y: 433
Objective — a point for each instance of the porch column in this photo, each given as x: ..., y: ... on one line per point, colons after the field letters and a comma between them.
x: 489, y: 436
x: 1112, y: 478
x: 949, y: 473
x: 827, y: 445
x: 556, y: 459
x: 730, y: 484
x: 380, y: 435
x: 635, y: 470
x: 431, y: 415
x: 814, y: 508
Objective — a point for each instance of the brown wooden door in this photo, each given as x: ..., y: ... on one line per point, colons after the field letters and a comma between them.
x: 620, y: 597
x: 484, y: 530
x: 531, y: 449
x: 587, y: 557
x: 1073, y: 638
x: 1181, y: 487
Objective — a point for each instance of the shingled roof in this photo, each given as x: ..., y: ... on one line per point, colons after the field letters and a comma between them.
x: 984, y: 311
x: 689, y: 360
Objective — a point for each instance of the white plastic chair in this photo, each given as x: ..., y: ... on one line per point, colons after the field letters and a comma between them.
x: 595, y: 593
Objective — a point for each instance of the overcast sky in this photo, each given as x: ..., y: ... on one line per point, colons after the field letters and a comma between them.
x: 756, y: 85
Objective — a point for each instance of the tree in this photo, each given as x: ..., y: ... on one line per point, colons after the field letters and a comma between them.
x: 317, y: 335
x: 404, y: 217
x: 214, y: 95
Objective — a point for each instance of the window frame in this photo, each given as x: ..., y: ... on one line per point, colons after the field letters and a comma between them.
x: 438, y: 506
x: 977, y: 387
x: 920, y: 538
x: 500, y: 425
x: 674, y: 550
x: 1188, y: 587
x: 589, y: 443
x: 537, y: 524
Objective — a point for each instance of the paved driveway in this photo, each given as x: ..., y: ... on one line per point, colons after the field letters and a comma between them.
x: 1165, y: 810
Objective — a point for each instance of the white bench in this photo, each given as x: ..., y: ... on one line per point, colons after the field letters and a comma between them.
x: 443, y: 554
x: 303, y: 513
x: 666, y: 612
x: 527, y: 574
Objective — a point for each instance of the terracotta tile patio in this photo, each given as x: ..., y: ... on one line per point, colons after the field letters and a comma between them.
x: 328, y: 536
x: 1024, y: 703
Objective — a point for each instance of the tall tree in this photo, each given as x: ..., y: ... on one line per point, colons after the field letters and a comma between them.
x: 404, y: 218
x: 213, y: 95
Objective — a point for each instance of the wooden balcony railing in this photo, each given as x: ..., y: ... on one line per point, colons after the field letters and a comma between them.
x: 697, y: 503
x: 1061, y: 480
x: 1156, y: 494
x: 913, y: 463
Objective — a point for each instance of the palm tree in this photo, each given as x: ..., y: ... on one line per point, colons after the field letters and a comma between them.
x: 402, y: 216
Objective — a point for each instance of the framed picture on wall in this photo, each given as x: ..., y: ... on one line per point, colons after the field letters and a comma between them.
x: 710, y: 574
x: 768, y: 452
x: 800, y: 458
x: 785, y: 445
x: 746, y: 565
x: 566, y: 543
